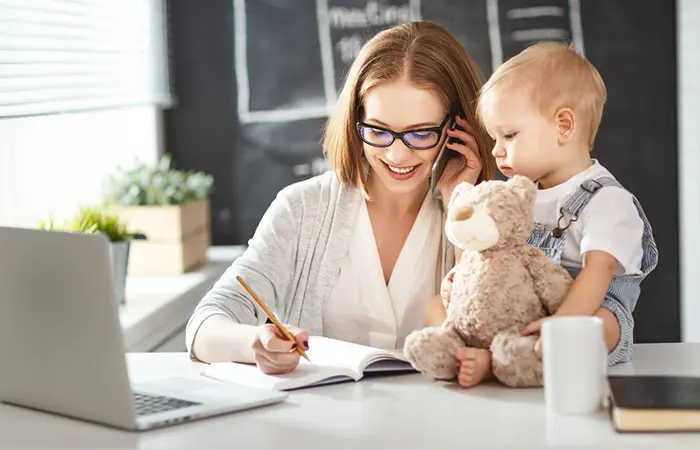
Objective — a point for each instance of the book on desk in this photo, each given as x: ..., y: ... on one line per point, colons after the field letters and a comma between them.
x: 643, y: 403
x: 331, y: 361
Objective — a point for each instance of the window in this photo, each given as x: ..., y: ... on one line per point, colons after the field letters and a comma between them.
x: 61, y: 56
x: 82, y: 83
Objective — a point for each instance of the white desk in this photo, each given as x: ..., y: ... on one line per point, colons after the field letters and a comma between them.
x: 400, y: 412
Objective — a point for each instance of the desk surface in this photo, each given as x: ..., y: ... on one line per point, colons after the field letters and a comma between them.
x: 398, y: 412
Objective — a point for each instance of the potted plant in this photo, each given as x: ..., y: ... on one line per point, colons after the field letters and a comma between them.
x: 171, y: 208
x: 93, y: 219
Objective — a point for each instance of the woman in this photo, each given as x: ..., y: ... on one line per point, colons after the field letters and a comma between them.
x: 358, y: 253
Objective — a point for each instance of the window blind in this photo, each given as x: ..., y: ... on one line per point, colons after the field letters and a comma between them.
x: 61, y: 56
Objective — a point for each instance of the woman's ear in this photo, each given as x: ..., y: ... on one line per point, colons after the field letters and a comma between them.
x: 564, y: 119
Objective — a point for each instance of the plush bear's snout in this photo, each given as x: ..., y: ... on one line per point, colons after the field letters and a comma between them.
x: 464, y: 213
x: 472, y: 228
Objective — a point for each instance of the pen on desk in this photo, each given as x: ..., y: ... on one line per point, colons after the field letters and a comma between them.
x: 272, y: 317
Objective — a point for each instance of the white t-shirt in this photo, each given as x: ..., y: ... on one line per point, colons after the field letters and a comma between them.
x: 610, y: 222
x: 362, y: 308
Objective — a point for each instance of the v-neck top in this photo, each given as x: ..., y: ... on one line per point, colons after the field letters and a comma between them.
x: 362, y: 307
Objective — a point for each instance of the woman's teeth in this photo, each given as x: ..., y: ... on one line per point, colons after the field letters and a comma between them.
x: 401, y: 170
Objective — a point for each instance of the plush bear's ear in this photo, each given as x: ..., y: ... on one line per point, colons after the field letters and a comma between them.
x: 524, y: 187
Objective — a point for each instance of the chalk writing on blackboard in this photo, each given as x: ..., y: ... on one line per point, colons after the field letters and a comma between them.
x: 343, y: 27
x: 302, y: 80
x: 345, y: 30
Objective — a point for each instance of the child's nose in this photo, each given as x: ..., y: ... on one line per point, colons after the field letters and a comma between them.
x: 498, y: 151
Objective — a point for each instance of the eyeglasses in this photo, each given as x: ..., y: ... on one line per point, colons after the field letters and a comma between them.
x: 418, y: 139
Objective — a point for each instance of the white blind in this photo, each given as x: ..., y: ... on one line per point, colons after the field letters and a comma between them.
x: 71, y: 55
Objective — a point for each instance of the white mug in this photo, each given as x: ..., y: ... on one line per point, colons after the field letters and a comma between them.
x: 574, y: 359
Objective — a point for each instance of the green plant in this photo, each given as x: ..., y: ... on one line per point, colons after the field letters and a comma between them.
x: 157, y: 184
x: 92, y: 219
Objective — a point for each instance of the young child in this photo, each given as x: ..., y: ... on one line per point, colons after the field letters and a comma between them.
x: 543, y: 108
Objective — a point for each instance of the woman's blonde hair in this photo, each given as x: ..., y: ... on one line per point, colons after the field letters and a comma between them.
x: 430, y: 58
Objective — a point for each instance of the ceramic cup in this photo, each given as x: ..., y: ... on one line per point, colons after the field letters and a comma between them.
x: 574, y: 360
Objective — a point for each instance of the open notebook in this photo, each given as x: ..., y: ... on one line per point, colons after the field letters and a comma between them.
x: 332, y: 361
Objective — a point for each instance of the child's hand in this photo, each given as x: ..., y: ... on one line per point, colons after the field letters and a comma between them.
x: 474, y: 366
x: 532, y: 328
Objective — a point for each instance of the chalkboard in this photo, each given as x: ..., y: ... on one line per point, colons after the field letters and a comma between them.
x: 255, y: 79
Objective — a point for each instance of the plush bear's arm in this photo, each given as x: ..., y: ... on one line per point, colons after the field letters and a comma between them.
x: 552, y: 281
x: 431, y: 351
x: 513, y: 359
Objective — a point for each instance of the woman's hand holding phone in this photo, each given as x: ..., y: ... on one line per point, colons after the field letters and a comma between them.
x: 468, y: 167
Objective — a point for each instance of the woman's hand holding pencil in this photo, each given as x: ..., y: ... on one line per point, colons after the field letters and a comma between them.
x: 276, y: 348
x: 274, y: 353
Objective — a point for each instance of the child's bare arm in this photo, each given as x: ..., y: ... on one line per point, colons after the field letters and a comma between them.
x: 591, y: 285
x: 586, y: 297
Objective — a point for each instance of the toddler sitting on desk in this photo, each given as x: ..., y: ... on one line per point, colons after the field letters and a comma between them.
x: 543, y: 108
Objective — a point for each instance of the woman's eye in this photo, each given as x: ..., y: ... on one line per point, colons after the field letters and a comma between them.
x: 421, y: 136
x: 377, y: 133
x: 510, y: 136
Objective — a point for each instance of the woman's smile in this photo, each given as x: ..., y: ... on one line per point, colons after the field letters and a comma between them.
x: 402, y: 172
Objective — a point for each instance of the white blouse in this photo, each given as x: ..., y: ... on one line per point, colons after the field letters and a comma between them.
x: 362, y: 308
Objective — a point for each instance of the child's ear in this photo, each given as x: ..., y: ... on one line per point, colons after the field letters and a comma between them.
x: 564, y: 119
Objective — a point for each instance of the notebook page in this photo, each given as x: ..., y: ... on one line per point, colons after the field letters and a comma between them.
x: 389, y: 365
x: 305, y: 374
x: 331, y: 352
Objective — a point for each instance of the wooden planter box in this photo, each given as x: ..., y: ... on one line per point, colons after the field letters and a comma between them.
x: 177, y: 237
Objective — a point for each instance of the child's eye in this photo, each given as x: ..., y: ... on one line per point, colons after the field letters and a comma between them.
x: 510, y: 136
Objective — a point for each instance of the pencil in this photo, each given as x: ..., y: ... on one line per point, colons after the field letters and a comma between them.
x: 272, y: 317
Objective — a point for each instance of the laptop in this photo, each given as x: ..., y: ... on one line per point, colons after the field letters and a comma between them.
x: 62, y: 346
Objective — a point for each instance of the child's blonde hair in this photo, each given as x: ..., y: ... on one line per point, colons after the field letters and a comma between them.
x: 557, y: 77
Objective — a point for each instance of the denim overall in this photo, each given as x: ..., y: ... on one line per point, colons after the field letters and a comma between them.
x: 624, y: 290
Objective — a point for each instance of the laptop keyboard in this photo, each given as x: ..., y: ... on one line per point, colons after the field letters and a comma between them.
x: 151, y: 404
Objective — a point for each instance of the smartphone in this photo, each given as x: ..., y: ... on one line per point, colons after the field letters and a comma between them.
x: 444, y: 155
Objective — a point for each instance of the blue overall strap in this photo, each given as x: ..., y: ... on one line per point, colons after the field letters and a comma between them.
x: 584, y: 193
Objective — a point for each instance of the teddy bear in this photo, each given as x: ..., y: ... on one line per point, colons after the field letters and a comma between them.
x: 500, y: 285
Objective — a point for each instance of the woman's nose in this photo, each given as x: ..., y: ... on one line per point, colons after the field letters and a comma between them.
x: 398, y: 152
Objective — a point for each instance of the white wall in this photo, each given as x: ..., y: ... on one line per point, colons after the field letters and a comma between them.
x: 50, y: 165
x: 688, y: 14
